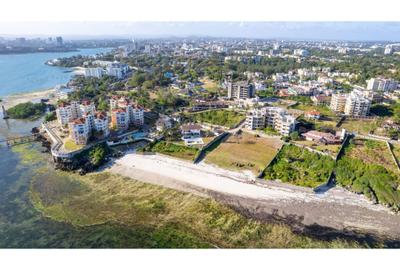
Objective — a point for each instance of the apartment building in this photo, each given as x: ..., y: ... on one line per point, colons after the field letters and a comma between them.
x: 68, y: 111
x: 381, y: 84
x: 240, y: 90
x: 357, y: 105
x: 79, y: 130
x: 338, y: 102
x: 135, y: 113
x: 96, y: 72
x: 101, y: 123
x: 120, y: 119
x: 275, y: 117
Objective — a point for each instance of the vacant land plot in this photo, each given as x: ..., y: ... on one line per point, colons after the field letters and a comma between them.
x: 174, y: 150
x: 244, y: 152
x: 361, y: 126
x: 299, y: 166
x: 367, y: 168
x: 371, y: 152
x: 331, y: 149
x: 210, y: 85
x: 324, y: 110
x: 219, y: 117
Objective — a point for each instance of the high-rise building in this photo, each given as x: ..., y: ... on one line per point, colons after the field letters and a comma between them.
x: 381, y: 84
x: 388, y: 50
x: 96, y: 72
x: 338, y: 102
x: 240, y: 90
x: 357, y: 105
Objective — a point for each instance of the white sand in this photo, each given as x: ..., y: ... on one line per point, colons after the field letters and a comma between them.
x: 12, y: 100
x: 153, y: 168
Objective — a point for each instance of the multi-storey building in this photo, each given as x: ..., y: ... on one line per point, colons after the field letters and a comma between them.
x: 240, y: 90
x: 381, y: 84
x: 338, y: 102
x: 101, y: 123
x: 96, y: 72
x: 357, y: 105
x: 275, y: 117
x: 79, y: 130
x: 135, y: 113
x: 120, y: 119
x: 87, y: 106
x: 68, y: 111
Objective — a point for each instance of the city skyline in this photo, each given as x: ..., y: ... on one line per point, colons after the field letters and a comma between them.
x: 346, y: 31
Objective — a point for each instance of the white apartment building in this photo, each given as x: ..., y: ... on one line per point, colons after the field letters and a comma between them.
x: 135, y: 113
x: 101, y: 123
x: 87, y: 107
x: 120, y: 119
x: 381, y: 84
x: 388, y: 50
x: 301, y: 52
x: 338, y: 102
x: 240, y: 90
x: 68, y: 111
x: 79, y: 130
x: 357, y: 105
x: 275, y: 117
x: 96, y: 72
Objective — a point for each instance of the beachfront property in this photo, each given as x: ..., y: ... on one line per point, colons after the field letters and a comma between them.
x: 119, y: 119
x: 240, y: 90
x: 79, y: 130
x: 114, y: 69
x: 67, y: 111
x: 275, y: 117
x: 191, y: 134
x: 163, y: 122
x: 101, y: 123
x: 134, y: 113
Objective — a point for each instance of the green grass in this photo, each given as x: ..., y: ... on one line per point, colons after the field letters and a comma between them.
x: 244, y: 152
x: 218, y: 117
x: 70, y: 145
x: 174, y: 150
x: 324, y: 110
x: 299, y: 166
x: 163, y: 218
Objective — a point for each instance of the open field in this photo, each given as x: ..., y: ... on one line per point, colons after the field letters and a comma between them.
x: 331, y: 149
x: 224, y: 118
x: 244, y: 152
x: 174, y: 150
x: 324, y: 110
x: 210, y: 85
x: 371, y: 152
x: 361, y: 126
x: 300, y: 167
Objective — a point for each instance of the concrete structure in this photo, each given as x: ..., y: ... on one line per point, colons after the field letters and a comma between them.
x: 68, y: 111
x: 357, y: 105
x: 96, y: 72
x: 120, y: 119
x: 101, y: 123
x: 381, y: 84
x: 338, y: 102
x: 240, y: 90
x: 322, y: 137
x: 191, y: 134
x: 275, y: 117
x: 79, y: 130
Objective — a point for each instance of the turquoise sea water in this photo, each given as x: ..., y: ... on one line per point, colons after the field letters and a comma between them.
x: 27, y: 72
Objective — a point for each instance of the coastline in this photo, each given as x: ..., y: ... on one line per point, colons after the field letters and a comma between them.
x: 17, y: 98
x: 343, y: 210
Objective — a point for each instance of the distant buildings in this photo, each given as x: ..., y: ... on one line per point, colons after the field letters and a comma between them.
x: 114, y: 69
x: 275, y: 117
x: 301, y: 52
x: 388, y: 50
x: 96, y: 72
x: 240, y: 90
x: 381, y: 84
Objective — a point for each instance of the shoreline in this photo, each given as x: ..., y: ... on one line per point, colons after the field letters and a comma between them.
x: 17, y: 98
x: 343, y: 210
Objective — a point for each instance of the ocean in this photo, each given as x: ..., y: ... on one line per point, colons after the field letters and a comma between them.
x: 20, y: 73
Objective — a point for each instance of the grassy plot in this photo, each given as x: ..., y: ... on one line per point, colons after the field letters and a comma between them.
x: 364, y: 169
x: 218, y: 117
x: 160, y: 217
x: 371, y: 152
x: 173, y: 149
x: 331, y: 149
x: 244, y: 152
x: 301, y: 167
x: 210, y: 85
x: 361, y: 126
x: 70, y: 145
x: 324, y: 110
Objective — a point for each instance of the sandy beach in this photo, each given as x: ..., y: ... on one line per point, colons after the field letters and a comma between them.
x: 12, y: 100
x: 337, y: 208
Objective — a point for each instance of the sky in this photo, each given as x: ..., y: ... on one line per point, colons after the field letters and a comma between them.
x: 371, y: 31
